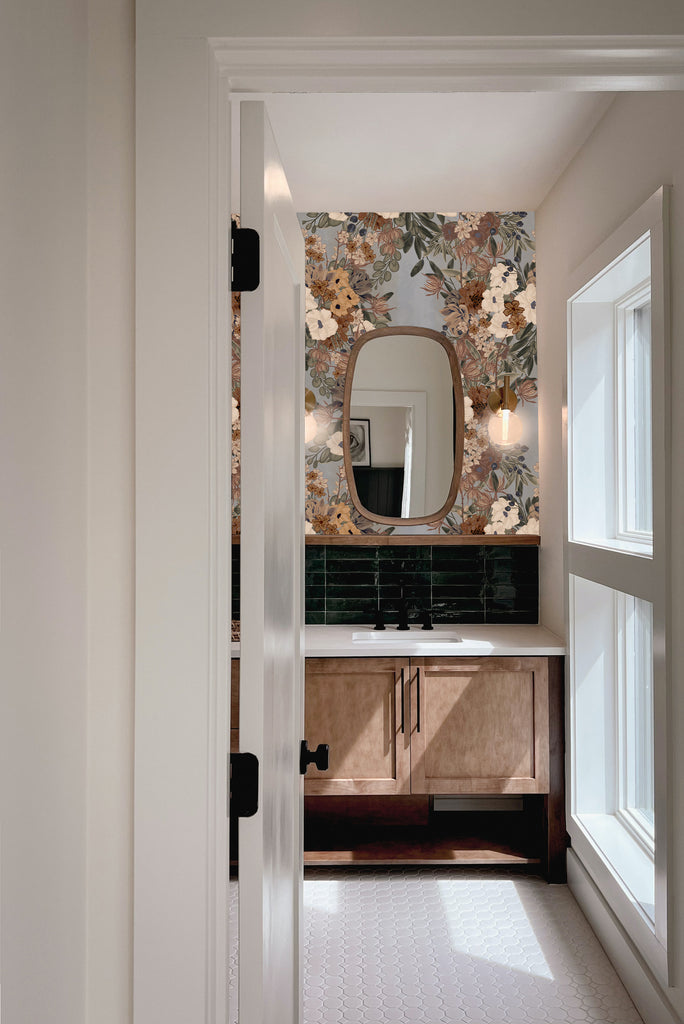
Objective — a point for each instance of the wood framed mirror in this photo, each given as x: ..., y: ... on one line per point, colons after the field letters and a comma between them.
x: 403, y: 424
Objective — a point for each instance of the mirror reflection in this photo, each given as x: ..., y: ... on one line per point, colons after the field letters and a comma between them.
x: 403, y: 440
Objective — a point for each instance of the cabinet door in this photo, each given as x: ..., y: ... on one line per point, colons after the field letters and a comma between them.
x: 355, y: 705
x: 480, y: 725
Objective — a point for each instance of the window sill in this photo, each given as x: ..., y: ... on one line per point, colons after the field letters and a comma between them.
x: 625, y: 857
x: 623, y: 546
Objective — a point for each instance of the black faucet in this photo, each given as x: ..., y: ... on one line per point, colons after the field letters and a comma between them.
x: 402, y: 614
x: 427, y: 619
x: 379, y: 619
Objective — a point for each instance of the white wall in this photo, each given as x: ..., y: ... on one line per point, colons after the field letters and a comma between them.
x: 43, y: 434
x: 66, y: 509
x: 638, y: 146
x: 406, y: 18
x: 111, y: 272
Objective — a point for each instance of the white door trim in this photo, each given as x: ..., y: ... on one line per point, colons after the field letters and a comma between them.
x: 453, y: 64
x: 183, y: 83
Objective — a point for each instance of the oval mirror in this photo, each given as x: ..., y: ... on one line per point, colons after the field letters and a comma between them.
x: 403, y: 425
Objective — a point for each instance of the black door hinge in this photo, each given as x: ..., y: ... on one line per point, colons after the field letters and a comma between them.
x: 244, y: 785
x: 244, y: 259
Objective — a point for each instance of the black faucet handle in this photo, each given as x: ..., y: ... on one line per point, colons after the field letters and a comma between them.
x: 426, y: 616
x: 379, y: 619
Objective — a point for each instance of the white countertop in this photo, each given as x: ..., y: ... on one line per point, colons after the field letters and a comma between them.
x: 476, y: 641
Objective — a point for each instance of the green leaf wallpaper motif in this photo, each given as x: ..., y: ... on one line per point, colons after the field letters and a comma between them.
x: 470, y: 276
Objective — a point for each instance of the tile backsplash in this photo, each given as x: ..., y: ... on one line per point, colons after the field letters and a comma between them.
x: 469, y: 584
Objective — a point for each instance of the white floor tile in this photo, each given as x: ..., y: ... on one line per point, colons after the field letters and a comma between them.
x: 441, y: 946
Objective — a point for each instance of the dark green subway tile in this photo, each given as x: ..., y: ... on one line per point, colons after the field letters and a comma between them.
x: 346, y: 618
x: 346, y: 602
x: 512, y: 560
x: 506, y: 590
x: 448, y: 616
x: 466, y: 569
x: 474, y: 594
x: 389, y: 551
x: 366, y: 553
x: 315, y: 604
x: 351, y: 579
x: 405, y: 564
x: 349, y: 566
x: 314, y: 618
x: 458, y: 553
x: 317, y: 593
x: 408, y: 579
x: 512, y: 618
x: 457, y: 579
x: 314, y: 554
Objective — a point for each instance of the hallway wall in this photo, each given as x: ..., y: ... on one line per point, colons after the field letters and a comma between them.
x: 66, y: 514
x: 43, y: 452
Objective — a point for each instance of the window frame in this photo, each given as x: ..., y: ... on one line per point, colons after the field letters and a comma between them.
x: 626, y: 568
x: 625, y: 309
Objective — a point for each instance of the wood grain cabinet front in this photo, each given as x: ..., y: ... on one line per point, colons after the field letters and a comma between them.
x: 359, y: 706
x: 479, y: 725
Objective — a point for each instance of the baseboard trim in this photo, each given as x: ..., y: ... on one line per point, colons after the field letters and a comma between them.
x: 647, y: 995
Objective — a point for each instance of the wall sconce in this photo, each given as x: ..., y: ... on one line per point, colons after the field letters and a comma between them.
x: 505, y: 428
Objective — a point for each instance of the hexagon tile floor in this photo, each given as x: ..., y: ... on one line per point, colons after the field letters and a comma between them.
x: 440, y: 946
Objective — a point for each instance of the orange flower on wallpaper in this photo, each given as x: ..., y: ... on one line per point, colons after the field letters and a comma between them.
x: 433, y: 284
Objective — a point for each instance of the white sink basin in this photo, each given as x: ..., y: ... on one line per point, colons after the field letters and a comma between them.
x: 411, y: 637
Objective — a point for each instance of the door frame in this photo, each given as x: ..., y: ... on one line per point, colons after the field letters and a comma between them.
x: 182, y: 660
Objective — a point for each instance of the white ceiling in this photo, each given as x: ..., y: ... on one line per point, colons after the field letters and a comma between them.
x: 428, y: 151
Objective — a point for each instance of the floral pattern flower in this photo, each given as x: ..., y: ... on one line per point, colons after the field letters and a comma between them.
x: 504, y: 515
x: 321, y: 324
x: 334, y: 443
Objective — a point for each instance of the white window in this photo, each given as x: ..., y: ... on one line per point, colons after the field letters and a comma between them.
x: 612, y: 733
x: 610, y: 405
x: 618, y: 572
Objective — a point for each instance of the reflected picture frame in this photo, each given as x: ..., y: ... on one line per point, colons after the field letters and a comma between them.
x: 359, y: 442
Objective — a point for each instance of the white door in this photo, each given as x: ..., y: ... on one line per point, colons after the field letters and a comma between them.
x: 271, y: 607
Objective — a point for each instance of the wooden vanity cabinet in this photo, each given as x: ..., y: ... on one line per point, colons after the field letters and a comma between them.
x: 411, y: 729
x: 477, y: 726
x: 359, y: 706
x: 480, y: 725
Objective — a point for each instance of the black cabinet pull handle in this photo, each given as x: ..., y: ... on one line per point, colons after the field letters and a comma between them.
x: 402, y: 700
x: 417, y: 700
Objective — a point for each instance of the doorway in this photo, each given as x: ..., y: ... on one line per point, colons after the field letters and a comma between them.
x: 174, y: 699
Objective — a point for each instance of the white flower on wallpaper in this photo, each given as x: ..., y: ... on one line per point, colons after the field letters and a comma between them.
x: 531, y: 527
x: 528, y: 303
x: 492, y: 301
x: 334, y: 444
x: 501, y: 325
x: 321, y: 324
x: 503, y: 278
x: 504, y: 515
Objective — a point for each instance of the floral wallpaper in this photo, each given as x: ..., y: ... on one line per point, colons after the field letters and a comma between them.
x: 470, y: 276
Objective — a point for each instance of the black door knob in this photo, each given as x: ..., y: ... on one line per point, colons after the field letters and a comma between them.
x: 319, y: 757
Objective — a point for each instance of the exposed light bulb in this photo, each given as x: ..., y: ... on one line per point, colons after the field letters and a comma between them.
x: 310, y: 427
x: 505, y: 428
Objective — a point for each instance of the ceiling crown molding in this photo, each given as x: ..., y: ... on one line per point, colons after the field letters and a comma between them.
x: 452, y: 64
